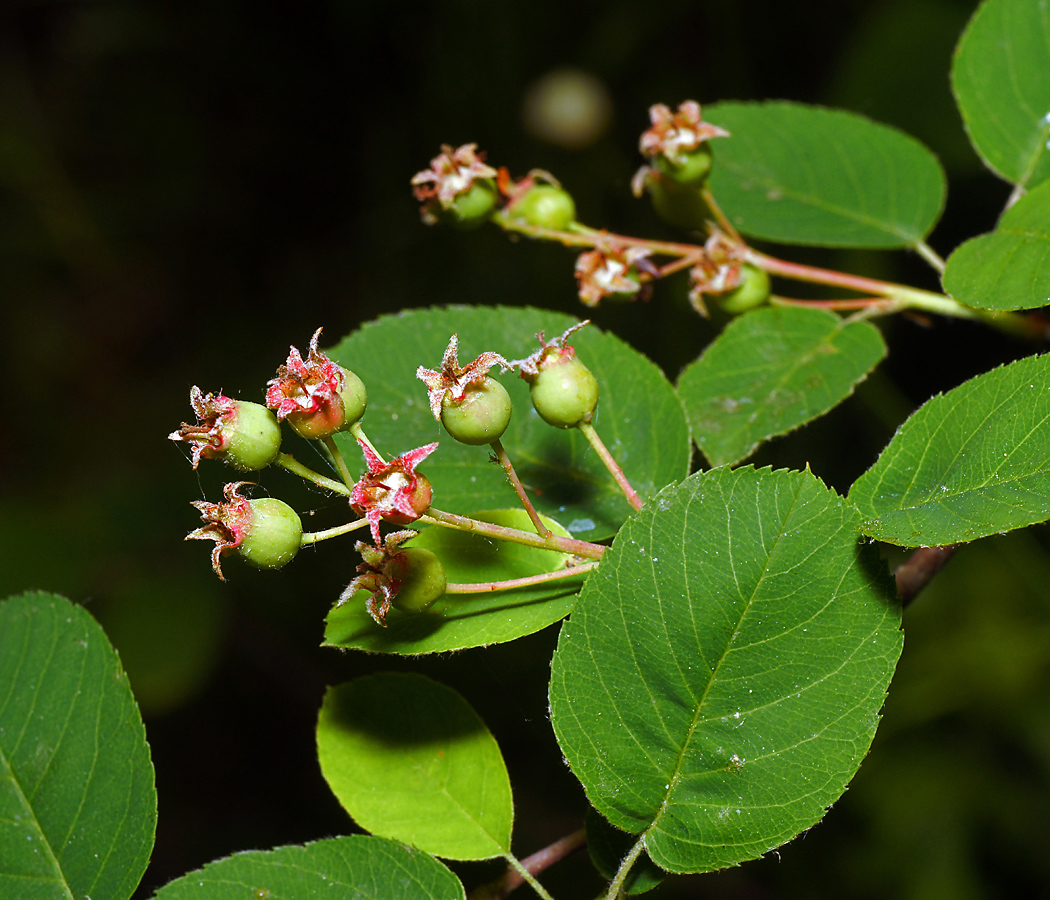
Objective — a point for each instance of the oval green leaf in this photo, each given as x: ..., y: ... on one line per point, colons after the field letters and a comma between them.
x: 720, y: 678
x: 358, y: 866
x: 771, y: 371
x: 809, y: 175
x: 639, y: 416
x: 1001, y: 80
x: 459, y: 621
x: 967, y: 464
x: 1009, y: 268
x: 409, y: 759
x: 78, y: 809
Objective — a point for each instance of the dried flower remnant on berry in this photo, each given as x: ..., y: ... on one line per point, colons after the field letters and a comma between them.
x: 451, y: 173
x: 550, y: 352
x: 208, y: 437
x: 718, y: 271
x: 606, y: 271
x: 378, y: 574
x: 226, y: 523
x: 393, y: 491
x: 672, y: 134
x: 304, y: 385
x: 453, y: 380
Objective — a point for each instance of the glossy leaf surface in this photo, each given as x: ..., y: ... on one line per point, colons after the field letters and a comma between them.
x: 720, y: 678
x: 409, y: 759
x: 639, y: 416
x: 358, y: 867
x: 1009, y: 268
x: 771, y: 371
x: 78, y: 808
x: 969, y: 463
x: 458, y: 621
x: 809, y: 175
x: 1001, y: 80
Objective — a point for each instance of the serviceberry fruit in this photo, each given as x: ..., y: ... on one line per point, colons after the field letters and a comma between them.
x: 564, y: 393
x: 688, y: 167
x: 245, y: 435
x: 473, y: 206
x: 752, y: 292
x: 546, y: 206
x: 274, y: 534
x: 480, y: 416
x: 421, y: 579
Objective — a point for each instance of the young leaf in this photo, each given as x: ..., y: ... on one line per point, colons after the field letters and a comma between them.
x: 720, y: 678
x: 808, y: 175
x: 1001, y: 80
x: 1009, y: 268
x: 771, y: 371
x: 78, y: 809
x: 409, y: 759
x: 458, y: 621
x: 351, y: 867
x: 639, y: 416
x: 969, y: 463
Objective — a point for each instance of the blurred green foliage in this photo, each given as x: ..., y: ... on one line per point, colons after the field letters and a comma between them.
x: 188, y: 188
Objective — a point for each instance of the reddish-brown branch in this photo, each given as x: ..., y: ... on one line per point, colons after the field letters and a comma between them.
x: 917, y: 570
x: 538, y: 862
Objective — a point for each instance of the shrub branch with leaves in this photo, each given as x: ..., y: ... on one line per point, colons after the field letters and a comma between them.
x: 730, y: 633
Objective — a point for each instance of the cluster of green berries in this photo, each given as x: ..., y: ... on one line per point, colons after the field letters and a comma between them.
x: 318, y: 398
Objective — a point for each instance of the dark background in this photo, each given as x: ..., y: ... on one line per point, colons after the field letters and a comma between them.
x: 188, y: 188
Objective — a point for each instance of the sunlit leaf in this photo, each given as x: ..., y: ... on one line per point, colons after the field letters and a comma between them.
x: 808, y: 175
x: 1009, y: 268
x: 720, y: 678
x: 1001, y: 79
x: 369, y: 868
x: 771, y: 371
x: 409, y: 759
x: 969, y: 463
x: 78, y: 808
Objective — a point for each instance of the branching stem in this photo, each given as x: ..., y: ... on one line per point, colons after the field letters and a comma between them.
x: 289, y: 462
x: 337, y: 458
x: 538, y: 862
x: 512, y: 477
x: 614, y: 468
x: 312, y: 537
x: 501, y: 532
x: 488, y: 586
x: 616, y: 885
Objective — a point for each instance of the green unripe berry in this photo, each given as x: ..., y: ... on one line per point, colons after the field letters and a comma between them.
x: 546, y: 206
x: 473, y: 206
x: 345, y: 407
x: 681, y: 205
x: 253, y: 437
x: 273, y: 535
x: 421, y: 576
x: 565, y: 393
x: 480, y: 416
x: 753, y: 291
x: 691, y: 168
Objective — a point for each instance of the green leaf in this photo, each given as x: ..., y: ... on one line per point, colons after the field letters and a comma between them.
x: 720, y: 678
x: 458, y: 621
x: 808, y: 175
x: 969, y: 463
x: 1009, y: 268
x: 771, y: 371
x: 409, y: 759
x: 78, y: 809
x: 639, y: 416
x: 358, y: 867
x: 1001, y: 80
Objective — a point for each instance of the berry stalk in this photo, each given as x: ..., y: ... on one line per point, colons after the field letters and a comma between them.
x: 485, y: 587
x: 501, y: 532
x: 312, y: 537
x: 614, y: 468
x: 340, y: 463
x: 289, y: 462
x: 512, y: 476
